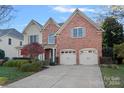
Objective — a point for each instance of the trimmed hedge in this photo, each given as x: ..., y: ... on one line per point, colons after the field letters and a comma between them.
x: 21, y: 58
x: 46, y: 63
x: 32, y: 67
x: 15, y: 63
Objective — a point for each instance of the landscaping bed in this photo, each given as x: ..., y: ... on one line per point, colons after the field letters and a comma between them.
x: 13, y: 70
x: 113, y: 75
x: 12, y: 74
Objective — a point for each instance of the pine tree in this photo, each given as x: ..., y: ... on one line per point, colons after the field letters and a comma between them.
x: 113, y: 32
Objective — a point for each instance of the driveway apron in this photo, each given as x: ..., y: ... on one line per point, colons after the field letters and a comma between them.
x: 63, y: 76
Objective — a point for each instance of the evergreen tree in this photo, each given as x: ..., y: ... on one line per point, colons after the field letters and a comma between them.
x: 113, y: 32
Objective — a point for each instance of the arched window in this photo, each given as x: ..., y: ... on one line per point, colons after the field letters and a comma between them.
x: 51, y: 38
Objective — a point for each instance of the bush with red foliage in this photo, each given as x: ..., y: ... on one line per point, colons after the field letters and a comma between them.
x: 32, y: 50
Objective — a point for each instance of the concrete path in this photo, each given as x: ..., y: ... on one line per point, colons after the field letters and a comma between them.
x: 63, y: 76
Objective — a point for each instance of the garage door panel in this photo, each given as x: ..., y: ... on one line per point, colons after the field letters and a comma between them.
x: 88, y: 57
x: 68, y: 57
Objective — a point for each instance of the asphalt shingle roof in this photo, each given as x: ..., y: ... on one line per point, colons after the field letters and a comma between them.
x: 11, y: 32
x: 60, y: 24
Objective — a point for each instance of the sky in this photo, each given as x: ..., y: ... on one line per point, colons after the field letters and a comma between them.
x: 23, y: 14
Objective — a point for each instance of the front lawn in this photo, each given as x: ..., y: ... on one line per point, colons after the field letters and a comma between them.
x: 113, y: 76
x: 13, y: 74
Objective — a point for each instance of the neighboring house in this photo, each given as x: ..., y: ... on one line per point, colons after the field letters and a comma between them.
x: 11, y: 41
x: 76, y: 41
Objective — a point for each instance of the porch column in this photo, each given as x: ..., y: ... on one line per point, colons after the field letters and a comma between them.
x: 43, y: 56
x: 53, y: 57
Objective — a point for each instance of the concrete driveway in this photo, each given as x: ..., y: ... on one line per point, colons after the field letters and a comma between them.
x: 63, y: 76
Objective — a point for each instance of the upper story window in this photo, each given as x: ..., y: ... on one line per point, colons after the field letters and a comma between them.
x: 51, y: 38
x: 9, y: 41
x: 0, y: 40
x: 78, y: 32
x: 33, y: 38
x: 20, y: 43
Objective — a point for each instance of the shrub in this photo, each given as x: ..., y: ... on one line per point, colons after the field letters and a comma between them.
x: 15, y: 63
x: 107, y: 52
x: 6, y: 59
x: 21, y: 58
x: 119, y: 52
x: 106, y: 60
x: 2, y: 54
x: 103, y: 65
x: 3, y: 80
x: 31, y: 67
x: 46, y: 62
x: 26, y: 67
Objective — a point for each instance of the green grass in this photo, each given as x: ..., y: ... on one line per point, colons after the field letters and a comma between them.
x: 113, y: 78
x: 13, y: 74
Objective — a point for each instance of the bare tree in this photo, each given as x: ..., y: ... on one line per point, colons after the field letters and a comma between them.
x: 5, y: 13
x: 116, y: 11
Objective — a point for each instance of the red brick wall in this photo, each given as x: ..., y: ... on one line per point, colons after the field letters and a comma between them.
x: 50, y: 27
x: 93, y: 38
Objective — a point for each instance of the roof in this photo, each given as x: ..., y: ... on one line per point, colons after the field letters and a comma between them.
x: 51, y: 20
x: 12, y: 33
x: 60, y: 24
x: 77, y: 11
x: 35, y: 22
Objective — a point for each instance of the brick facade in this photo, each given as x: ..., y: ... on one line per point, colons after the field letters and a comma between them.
x: 93, y: 38
x: 48, y: 29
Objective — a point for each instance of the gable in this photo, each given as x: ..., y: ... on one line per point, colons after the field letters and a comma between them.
x: 51, y: 23
x: 75, y: 13
x: 32, y: 23
x: 32, y: 29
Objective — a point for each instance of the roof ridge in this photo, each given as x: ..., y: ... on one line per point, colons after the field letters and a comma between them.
x: 51, y: 19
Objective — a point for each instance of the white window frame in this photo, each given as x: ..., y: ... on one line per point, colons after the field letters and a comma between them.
x: 37, y: 38
x: 49, y: 38
x: 83, y: 33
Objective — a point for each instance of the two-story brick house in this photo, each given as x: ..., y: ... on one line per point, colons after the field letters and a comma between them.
x: 76, y: 41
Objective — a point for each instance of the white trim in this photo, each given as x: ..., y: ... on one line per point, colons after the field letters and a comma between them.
x: 82, y: 32
x: 50, y: 19
x: 86, y: 49
x: 67, y: 50
x: 84, y: 16
x: 53, y: 55
x: 33, y: 38
x: 32, y: 21
x: 49, y: 36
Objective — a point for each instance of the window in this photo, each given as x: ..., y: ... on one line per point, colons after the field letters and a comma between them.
x: 33, y: 38
x: 9, y: 41
x: 78, y: 32
x: 51, y: 39
x: 0, y: 40
x: 20, y: 43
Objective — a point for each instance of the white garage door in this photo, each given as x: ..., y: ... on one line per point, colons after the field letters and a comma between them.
x: 68, y: 57
x: 88, y: 56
